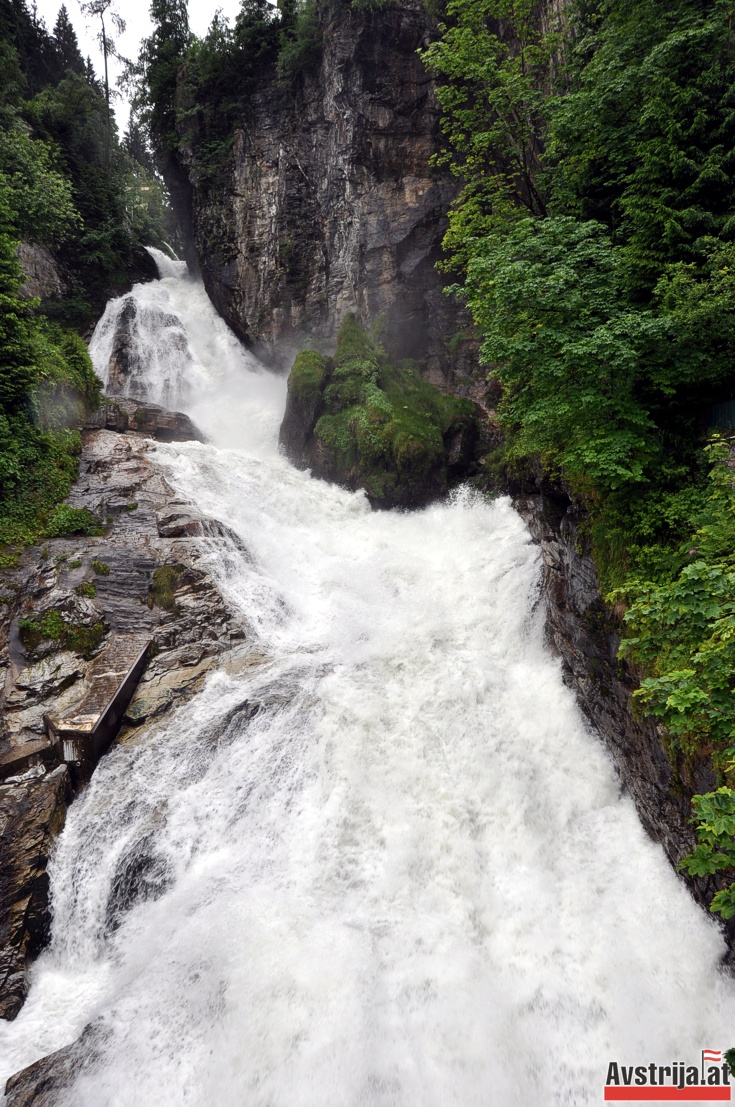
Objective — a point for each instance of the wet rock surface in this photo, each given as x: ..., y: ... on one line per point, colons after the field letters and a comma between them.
x: 71, y: 608
x: 125, y: 372
x: 329, y: 204
x: 586, y: 637
x: 32, y: 813
x: 122, y: 413
x: 41, y: 1084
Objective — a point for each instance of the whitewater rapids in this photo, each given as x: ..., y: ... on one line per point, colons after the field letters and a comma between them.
x: 411, y: 879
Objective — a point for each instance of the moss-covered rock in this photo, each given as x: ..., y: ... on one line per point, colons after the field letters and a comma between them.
x: 360, y: 421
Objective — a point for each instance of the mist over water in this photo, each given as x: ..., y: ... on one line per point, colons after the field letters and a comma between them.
x: 410, y: 879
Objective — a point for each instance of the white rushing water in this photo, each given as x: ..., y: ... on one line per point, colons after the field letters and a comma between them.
x: 411, y: 878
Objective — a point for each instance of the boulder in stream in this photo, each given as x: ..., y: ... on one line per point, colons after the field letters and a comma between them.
x: 364, y: 423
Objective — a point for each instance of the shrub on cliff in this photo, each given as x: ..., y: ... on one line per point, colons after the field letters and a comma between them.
x: 593, y: 238
x: 365, y: 423
x: 46, y: 385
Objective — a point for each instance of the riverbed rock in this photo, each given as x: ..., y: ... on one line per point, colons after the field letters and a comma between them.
x: 586, y: 635
x: 32, y: 813
x: 41, y: 1084
x: 105, y: 590
x: 122, y: 414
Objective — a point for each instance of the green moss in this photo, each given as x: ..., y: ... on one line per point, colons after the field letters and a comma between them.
x: 131, y: 507
x: 307, y: 376
x: 54, y: 627
x: 85, y: 640
x: 87, y: 589
x: 101, y: 568
x: 385, y: 426
x: 75, y: 564
x: 67, y: 520
x: 163, y: 586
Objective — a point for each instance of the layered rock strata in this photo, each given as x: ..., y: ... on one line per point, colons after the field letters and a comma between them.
x: 72, y: 609
x: 586, y: 636
x: 329, y: 204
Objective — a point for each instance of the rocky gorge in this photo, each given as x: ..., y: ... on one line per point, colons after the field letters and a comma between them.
x: 330, y: 219
x: 78, y: 610
x: 148, y: 578
x: 328, y: 203
x: 331, y: 204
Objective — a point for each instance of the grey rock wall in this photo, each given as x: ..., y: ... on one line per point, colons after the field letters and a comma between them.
x: 329, y: 204
x: 586, y: 636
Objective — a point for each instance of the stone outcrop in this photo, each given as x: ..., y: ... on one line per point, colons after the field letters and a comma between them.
x: 361, y: 422
x: 48, y: 279
x: 41, y: 1084
x: 32, y: 813
x: 329, y: 204
x: 121, y: 413
x: 74, y: 611
x: 586, y: 636
x: 43, y: 277
x: 124, y: 372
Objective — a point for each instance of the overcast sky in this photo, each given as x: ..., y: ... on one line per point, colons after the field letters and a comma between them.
x: 135, y: 14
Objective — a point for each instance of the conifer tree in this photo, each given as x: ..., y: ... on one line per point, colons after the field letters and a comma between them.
x: 161, y: 58
x: 67, y: 44
x: 102, y: 8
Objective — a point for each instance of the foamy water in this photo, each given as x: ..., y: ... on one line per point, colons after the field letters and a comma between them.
x: 410, y: 879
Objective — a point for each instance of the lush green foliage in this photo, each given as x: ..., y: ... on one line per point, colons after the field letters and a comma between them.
x: 307, y: 377
x: 46, y: 386
x: 61, y: 186
x: 548, y: 297
x: 491, y: 93
x: 593, y: 237
x: 72, y: 185
x: 714, y: 816
x: 382, y: 423
x: 66, y: 635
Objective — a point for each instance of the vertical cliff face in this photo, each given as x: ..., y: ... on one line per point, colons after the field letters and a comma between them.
x: 582, y: 631
x: 329, y: 204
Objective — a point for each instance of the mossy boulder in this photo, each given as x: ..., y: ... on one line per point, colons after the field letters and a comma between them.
x: 362, y: 422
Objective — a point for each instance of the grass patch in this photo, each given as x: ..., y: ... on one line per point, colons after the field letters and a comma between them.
x: 53, y: 627
x: 163, y: 587
x: 66, y: 520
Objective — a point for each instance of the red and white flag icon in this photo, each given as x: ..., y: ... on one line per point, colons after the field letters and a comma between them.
x: 711, y: 1056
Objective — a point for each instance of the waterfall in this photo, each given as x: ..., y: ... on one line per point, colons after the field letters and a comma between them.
x: 411, y: 877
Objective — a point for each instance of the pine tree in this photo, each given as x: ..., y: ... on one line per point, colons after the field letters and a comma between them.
x: 161, y: 58
x: 135, y: 141
x: 67, y: 44
x: 102, y: 8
